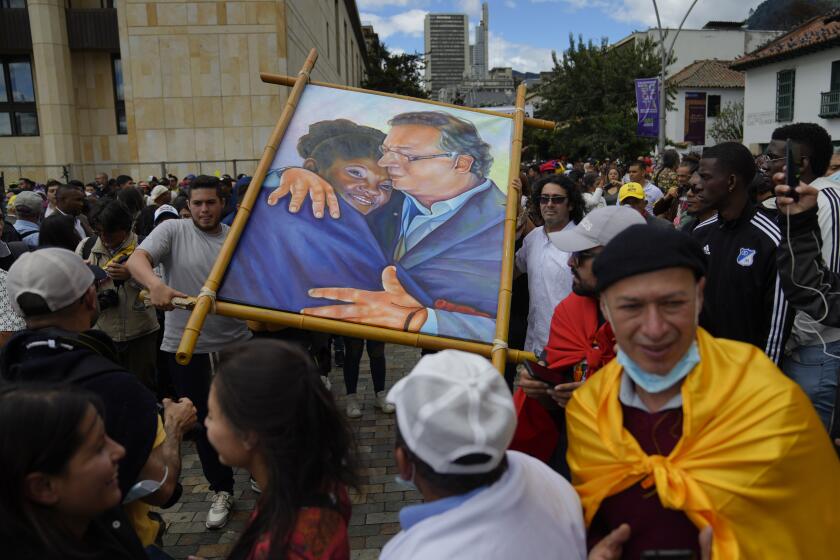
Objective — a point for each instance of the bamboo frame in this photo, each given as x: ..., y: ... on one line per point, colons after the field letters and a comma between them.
x: 499, y: 352
x: 282, y: 80
x: 205, y: 301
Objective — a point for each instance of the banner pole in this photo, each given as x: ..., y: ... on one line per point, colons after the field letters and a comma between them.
x: 282, y: 80
x: 499, y: 352
x: 206, y: 299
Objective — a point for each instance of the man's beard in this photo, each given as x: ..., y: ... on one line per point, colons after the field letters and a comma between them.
x: 207, y: 228
x: 584, y: 291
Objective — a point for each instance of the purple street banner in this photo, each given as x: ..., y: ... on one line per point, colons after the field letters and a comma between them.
x: 647, y: 107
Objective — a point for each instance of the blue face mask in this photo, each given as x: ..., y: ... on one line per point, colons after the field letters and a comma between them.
x: 655, y: 383
x: 407, y: 484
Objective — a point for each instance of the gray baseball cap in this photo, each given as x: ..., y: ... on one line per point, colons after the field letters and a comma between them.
x: 32, y: 201
x: 454, y: 404
x: 57, y: 276
x: 596, y: 228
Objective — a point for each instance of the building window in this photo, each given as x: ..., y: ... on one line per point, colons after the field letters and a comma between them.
x: 337, y: 39
x: 12, y: 3
x: 119, y: 97
x: 327, y: 36
x: 18, y: 115
x: 785, y: 81
x: 713, y: 106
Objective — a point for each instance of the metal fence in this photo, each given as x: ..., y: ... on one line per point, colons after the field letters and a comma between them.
x: 137, y: 170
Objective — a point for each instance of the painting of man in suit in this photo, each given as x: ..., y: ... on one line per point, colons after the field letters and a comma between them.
x: 426, y: 259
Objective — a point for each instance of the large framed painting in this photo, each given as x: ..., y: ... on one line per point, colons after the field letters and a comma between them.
x: 416, y: 241
x: 377, y: 216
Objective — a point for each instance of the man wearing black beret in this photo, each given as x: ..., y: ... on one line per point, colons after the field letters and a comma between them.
x: 684, y: 437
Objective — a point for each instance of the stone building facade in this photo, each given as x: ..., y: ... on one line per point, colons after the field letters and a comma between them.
x: 133, y: 86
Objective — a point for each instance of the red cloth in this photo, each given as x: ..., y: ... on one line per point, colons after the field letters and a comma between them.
x: 536, y: 433
x: 320, y: 533
x: 575, y: 336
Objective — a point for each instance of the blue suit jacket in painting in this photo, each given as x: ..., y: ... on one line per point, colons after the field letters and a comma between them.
x: 281, y: 255
x: 459, y: 263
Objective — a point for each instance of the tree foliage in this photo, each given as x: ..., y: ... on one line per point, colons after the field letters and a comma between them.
x: 729, y: 125
x: 394, y: 73
x: 592, y: 97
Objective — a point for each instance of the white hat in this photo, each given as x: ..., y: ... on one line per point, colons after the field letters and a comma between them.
x: 60, y: 277
x: 596, y: 228
x: 165, y: 209
x: 451, y: 405
x: 157, y: 191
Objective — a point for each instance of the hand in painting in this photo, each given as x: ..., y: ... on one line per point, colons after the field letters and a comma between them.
x: 301, y: 182
x: 393, y: 307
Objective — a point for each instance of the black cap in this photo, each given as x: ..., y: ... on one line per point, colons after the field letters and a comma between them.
x: 644, y: 248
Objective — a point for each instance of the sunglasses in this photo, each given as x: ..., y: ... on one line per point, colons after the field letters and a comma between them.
x: 581, y: 256
x: 556, y: 199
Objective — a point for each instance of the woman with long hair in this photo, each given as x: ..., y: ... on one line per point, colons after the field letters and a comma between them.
x: 270, y: 413
x: 59, y: 490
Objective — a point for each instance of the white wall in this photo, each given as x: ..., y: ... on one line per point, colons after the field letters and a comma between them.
x: 675, y: 120
x: 813, y: 76
x: 723, y: 44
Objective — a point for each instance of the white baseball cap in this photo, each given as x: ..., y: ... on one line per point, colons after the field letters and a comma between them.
x: 454, y: 404
x: 596, y: 228
x: 58, y: 276
x: 165, y: 209
x: 157, y: 191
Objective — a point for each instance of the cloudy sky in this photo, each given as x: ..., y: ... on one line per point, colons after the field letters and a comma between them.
x: 523, y: 32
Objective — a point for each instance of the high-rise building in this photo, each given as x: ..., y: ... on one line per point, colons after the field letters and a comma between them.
x: 480, y: 58
x: 447, y: 46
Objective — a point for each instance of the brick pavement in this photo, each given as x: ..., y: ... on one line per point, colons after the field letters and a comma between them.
x: 375, y: 505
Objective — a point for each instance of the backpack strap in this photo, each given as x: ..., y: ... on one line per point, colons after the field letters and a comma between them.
x: 88, y: 246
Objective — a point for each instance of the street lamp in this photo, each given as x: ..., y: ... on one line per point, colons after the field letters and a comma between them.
x: 666, y: 56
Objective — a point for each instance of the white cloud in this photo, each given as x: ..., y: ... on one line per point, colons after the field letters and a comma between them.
x: 524, y: 58
x: 471, y: 7
x: 510, y: 4
x: 405, y: 23
x: 670, y: 11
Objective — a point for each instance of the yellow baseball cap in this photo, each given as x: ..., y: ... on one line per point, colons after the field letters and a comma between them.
x: 634, y: 190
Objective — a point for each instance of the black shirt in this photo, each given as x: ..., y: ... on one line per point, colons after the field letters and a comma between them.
x: 743, y: 297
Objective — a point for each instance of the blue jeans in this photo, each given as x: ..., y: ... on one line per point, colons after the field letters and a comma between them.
x: 817, y: 374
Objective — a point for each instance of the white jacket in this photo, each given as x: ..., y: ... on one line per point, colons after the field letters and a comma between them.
x: 531, y: 512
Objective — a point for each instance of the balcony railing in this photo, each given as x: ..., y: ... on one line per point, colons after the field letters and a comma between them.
x: 830, y: 105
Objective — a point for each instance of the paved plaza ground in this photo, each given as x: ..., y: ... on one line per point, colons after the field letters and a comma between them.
x: 375, y: 506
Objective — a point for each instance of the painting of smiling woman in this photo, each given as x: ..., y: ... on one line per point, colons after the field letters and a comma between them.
x: 390, y: 214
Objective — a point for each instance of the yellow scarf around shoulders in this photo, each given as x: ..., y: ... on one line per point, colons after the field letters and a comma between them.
x: 754, y: 461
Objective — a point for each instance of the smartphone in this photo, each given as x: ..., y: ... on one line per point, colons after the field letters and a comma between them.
x: 669, y: 554
x: 547, y: 375
x: 791, y: 169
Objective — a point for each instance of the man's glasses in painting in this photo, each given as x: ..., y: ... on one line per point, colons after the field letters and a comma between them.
x: 384, y: 150
x: 556, y: 199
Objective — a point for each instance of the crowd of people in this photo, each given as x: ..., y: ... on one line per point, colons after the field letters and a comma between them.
x: 683, y: 314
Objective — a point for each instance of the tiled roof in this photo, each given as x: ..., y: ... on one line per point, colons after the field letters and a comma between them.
x: 821, y: 32
x: 708, y: 74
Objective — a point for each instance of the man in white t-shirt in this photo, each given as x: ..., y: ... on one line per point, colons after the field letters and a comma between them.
x: 187, y: 250
x: 455, y: 420
x: 637, y: 174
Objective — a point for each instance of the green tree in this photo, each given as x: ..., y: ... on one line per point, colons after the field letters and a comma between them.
x: 729, y: 125
x: 394, y: 73
x: 591, y: 96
